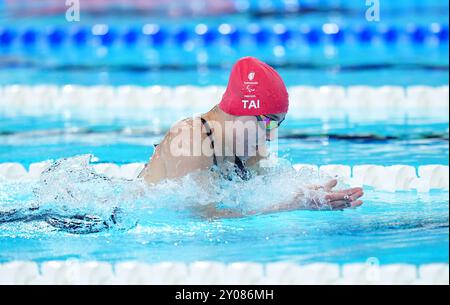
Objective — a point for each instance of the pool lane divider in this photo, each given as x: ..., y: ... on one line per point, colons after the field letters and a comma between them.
x: 210, y: 272
x: 305, y: 101
x: 383, y: 178
x: 204, y: 35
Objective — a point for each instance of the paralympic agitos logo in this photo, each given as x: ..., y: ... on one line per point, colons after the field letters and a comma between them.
x: 250, y: 86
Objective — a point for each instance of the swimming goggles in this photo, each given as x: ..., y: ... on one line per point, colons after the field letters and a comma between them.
x: 270, y: 121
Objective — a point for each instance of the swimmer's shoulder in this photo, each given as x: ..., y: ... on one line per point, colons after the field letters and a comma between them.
x: 183, y: 127
x: 166, y: 163
x: 179, y: 127
x: 156, y: 169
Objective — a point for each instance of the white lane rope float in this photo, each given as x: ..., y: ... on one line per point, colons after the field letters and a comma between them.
x: 178, y: 273
x: 384, y: 178
x: 305, y: 101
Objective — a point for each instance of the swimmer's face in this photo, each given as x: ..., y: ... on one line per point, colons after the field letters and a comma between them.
x: 249, y: 136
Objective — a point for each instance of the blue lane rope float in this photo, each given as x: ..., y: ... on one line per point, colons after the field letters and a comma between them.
x: 131, y: 36
x: 56, y: 36
x: 389, y: 34
x: 259, y: 34
x: 29, y: 37
x: 7, y: 36
x: 79, y: 35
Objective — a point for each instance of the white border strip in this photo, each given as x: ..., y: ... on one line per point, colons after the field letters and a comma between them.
x: 170, y: 273
x: 366, y: 99
x: 384, y: 178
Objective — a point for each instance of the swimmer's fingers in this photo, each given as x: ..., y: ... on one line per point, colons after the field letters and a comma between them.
x: 356, y: 203
x: 353, y: 191
x: 342, y: 204
x: 330, y: 185
x: 335, y: 197
x: 357, y: 195
x: 339, y: 205
x: 327, y: 187
x: 353, y: 194
x: 348, y: 195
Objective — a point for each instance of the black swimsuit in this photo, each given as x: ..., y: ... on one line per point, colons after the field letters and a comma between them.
x: 239, y: 166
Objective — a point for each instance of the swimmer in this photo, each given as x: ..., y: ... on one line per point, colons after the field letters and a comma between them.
x: 223, y: 141
x: 229, y: 141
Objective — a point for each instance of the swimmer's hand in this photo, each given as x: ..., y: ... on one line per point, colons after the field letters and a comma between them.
x: 318, y: 198
x: 335, y: 200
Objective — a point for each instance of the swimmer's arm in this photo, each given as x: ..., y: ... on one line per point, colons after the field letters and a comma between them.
x: 155, y: 169
x: 326, y: 200
x: 321, y: 198
x: 315, y: 201
x: 210, y: 211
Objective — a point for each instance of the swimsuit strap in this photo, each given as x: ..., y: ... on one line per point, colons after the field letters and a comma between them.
x: 240, y: 165
x: 209, y: 134
x: 241, y: 169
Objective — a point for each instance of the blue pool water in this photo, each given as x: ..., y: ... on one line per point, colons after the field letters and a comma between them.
x: 411, y: 142
x: 403, y: 227
x: 395, y: 228
x: 401, y: 65
x: 157, y: 224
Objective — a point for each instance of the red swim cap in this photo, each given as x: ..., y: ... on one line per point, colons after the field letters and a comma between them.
x: 254, y: 88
